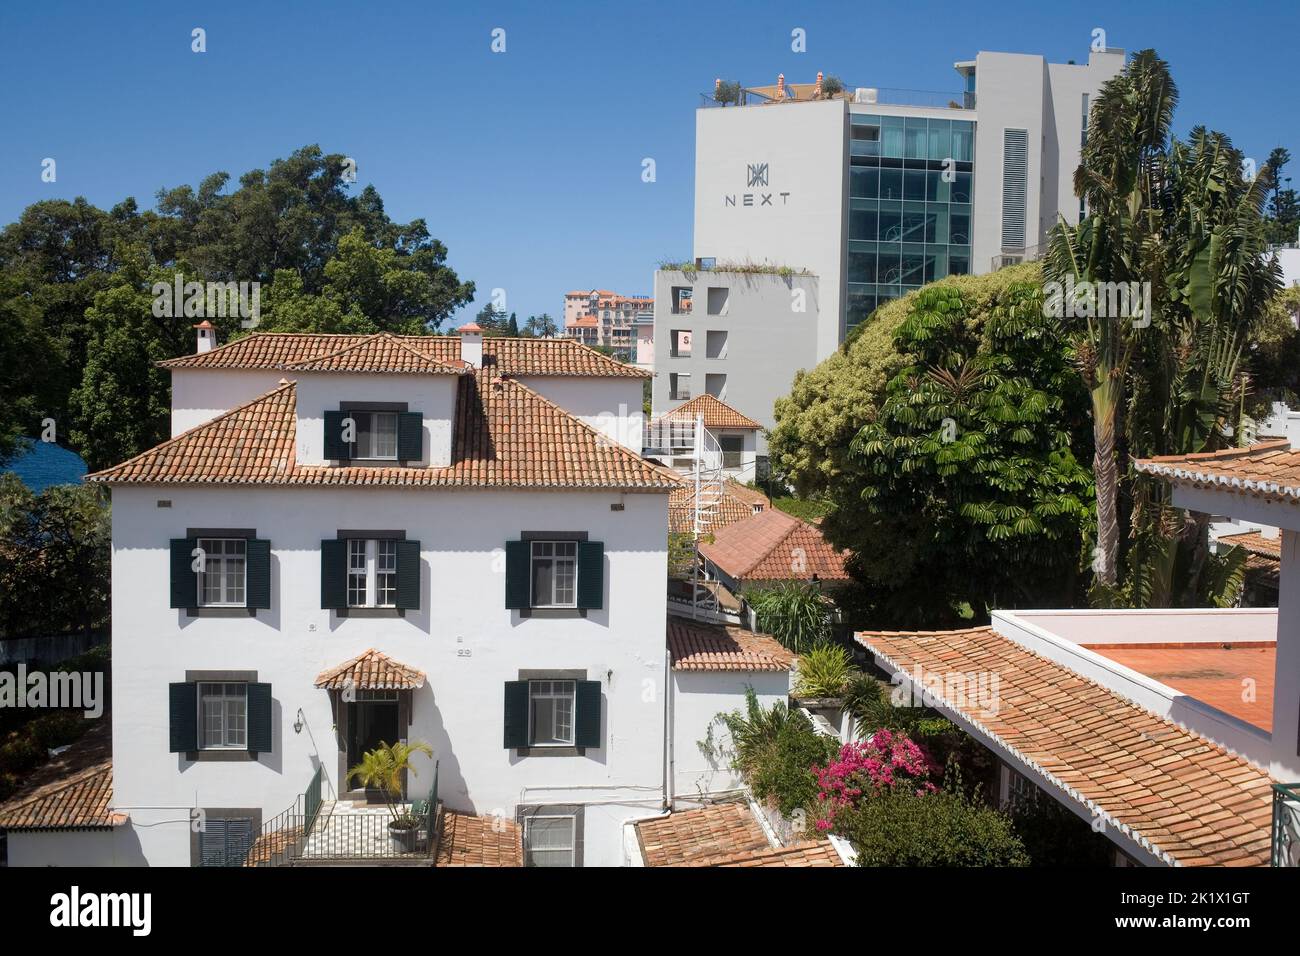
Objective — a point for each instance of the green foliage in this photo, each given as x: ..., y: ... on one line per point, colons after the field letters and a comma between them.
x: 947, y: 437
x: 796, y: 613
x: 55, y: 551
x: 832, y: 86
x: 76, y: 320
x: 382, y: 769
x: 776, y: 749
x: 726, y: 93
x: 804, y: 509
x: 825, y: 670
x: 947, y: 828
x: 541, y: 327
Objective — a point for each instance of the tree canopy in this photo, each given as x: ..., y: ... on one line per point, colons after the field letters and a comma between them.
x: 78, y: 330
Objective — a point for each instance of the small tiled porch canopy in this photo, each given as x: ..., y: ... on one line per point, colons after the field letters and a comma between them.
x: 371, y: 670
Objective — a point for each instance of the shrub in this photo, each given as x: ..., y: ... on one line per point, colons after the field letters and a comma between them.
x: 862, y: 771
x: 776, y: 750
x: 58, y: 728
x: 948, y: 828
x: 796, y: 613
x: 20, y: 752
x: 825, y: 670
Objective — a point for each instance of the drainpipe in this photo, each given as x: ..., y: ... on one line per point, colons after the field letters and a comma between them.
x: 669, y: 769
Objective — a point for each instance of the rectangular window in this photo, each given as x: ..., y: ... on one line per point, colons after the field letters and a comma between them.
x: 681, y: 343
x: 554, y: 573
x: 681, y: 300
x: 715, y: 383
x: 679, y: 385
x: 550, y: 840
x: 372, y: 572
x: 715, y: 344
x: 374, y: 435
x: 221, y: 582
x: 223, y: 716
x: 732, y: 450
x: 550, y: 712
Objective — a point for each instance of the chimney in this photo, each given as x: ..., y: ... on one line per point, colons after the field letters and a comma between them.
x: 471, y: 345
x: 1269, y: 533
x: 780, y: 87
x: 817, y: 90
x: 207, y: 337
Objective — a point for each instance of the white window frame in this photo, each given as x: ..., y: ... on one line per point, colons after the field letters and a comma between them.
x: 571, y: 849
x: 555, y: 690
x: 555, y: 559
x: 372, y: 572
x: 355, y: 450
x: 230, y: 692
x: 215, y: 553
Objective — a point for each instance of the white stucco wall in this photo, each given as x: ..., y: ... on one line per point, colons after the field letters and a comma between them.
x: 119, y: 846
x: 698, y: 697
x: 432, y: 395
x: 803, y: 226
x: 463, y: 637
x: 200, y: 395
x: 611, y: 405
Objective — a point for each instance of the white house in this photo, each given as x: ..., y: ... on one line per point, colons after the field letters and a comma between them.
x: 361, y: 539
x: 729, y: 445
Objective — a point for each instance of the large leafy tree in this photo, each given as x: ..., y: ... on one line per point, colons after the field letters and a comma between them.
x: 949, y: 434
x: 974, y: 494
x: 79, y: 337
x: 1182, y: 222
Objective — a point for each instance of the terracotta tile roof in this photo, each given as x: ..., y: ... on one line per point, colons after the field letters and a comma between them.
x: 808, y: 853
x: 468, y: 840
x: 510, y: 356
x: 584, y: 322
x: 1254, y: 543
x: 736, y: 504
x: 73, y: 791
x: 717, y: 414
x: 725, y: 834
x: 710, y: 647
x: 1189, y: 801
x: 505, y: 435
x: 371, y: 670
x: 378, y: 353
x: 774, y: 546
x: 1268, y: 469
x: 694, y: 837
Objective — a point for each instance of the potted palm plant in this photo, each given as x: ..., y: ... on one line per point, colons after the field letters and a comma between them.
x: 381, y: 769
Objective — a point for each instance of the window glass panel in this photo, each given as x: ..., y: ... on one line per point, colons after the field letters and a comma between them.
x: 357, y: 572
x: 385, y: 435
x: 223, y: 715
x: 386, y: 573
x: 221, y: 582
x: 891, y: 184
x: 550, y: 841
x: 551, y: 712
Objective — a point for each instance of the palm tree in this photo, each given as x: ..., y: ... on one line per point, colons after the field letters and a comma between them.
x: 381, y: 769
x: 1117, y: 241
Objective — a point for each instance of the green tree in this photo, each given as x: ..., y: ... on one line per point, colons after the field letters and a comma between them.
x: 541, y: 327
x: 1283, y: 202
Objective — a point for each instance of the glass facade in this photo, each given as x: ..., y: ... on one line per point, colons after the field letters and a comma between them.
x: 911, y: 182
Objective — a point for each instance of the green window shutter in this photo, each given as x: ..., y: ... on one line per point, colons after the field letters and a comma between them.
x: 408, y: 575
x: 183, y: 717
x: 335, y: 448
x: 333, y: 574
x: 257, y: 570
x: 259, y: 718
x: 586, y: 720
x: 410, y: 436
x: 518, y: 588
x: 516, y: 714
x: 591, y: 574
x: 185, y: 583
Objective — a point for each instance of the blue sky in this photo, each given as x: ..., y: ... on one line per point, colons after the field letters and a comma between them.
x: 527, y: 164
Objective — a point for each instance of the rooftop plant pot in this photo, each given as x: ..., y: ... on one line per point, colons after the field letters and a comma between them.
x: 403, y: 833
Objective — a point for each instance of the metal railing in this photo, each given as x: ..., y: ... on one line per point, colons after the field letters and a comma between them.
x: 282, y: 837
x: 1286, y: 824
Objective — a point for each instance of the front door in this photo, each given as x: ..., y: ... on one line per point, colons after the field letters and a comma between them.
x: 372, y: 720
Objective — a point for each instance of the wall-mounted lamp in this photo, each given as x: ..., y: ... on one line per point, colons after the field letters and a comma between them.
x: 299, y: 722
